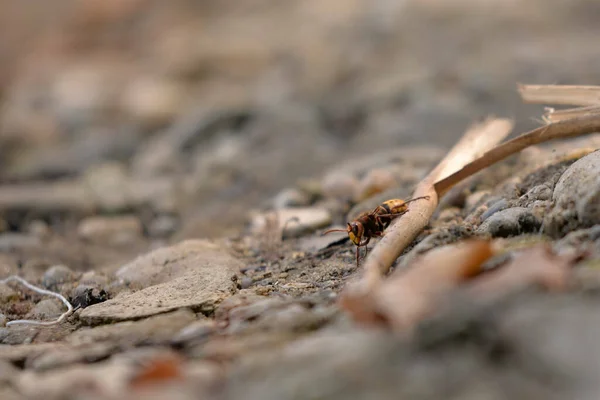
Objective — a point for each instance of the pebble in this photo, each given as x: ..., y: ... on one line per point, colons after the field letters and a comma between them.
x: 293, y: 222
x: 11, y: 241
x: 510, y: 222
x: 576, y: 197
x: 156, y: 329
x: 167, y: 263
x: 46, y: 309
x: 3, y: 320
x: 163, y: 226
x: 195, y: 273
x: 61, y: 357
x: 291, y: 197
x: 57, y: 275
x: 375, y: 181
x: 7, y: 293
x: 119, y: 230
x: 195, y: 332
x: 494, y: 208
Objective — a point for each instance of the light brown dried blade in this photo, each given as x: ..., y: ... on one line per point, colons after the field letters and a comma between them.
x: 573, y: 95
x: 537, y: 265
x: 551, y: 115
x: 406, y: 298
x: 559, y: 130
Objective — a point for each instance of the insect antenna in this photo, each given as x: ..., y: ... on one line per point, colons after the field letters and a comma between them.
x: 334, y: 230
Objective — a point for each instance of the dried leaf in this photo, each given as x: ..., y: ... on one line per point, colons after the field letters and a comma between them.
x: 537, y: 265
x: 158, y: 370
x: 403, y: 300
x: 573, y: 95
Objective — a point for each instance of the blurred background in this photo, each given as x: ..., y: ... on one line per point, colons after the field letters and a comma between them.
x: 201, y: 110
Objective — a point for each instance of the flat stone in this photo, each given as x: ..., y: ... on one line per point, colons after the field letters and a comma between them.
x: 117, y: 230
x: 168, y: 263
x: 159, y: 328
x: 195, y: 274
x: 60, y: 357
x: 510, y: 222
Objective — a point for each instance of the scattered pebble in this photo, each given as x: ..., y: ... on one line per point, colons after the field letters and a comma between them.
x: 11, y: 241
x: 163, y: 226
x: 167, y: 263
x: 57, y: 275
x: 3, y: 320
x: 46, y: 309
x: 119, y: 230
x: 293, y: 222
x: 494, y: 208
x: 7, y: 293
x: 510, y: 222
x: 291, y: 197
x: 195, y: 273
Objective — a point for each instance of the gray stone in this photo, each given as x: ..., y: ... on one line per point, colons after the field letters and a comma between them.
x: 156, y: 329
x: 292, y: 222
x: 46, y: 309
x: 510, y: 222
x: 6, y: 293
x: 494, y: 208
x: 117, y: 230
x: 3, y: 320
x: 60, y: 357
x: 57, y: 275
x: 196, y: 274
x: 168, y: 263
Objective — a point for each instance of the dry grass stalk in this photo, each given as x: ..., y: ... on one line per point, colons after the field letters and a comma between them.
x: 560, y: 130
x: 476, y: 141
x: 571, y: 95
x: 551, y: 115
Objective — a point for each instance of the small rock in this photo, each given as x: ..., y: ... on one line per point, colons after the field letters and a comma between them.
x: 194, y: 332
x: 7, y: 373
x: 3, y: 320
x: 195, y: 274
x: 494, y: 208
x: 291, y: 197
x: 57, y: 358
x: 475, y: 199
x: 576, y: 197
x: 316, y: 243
x: 7, y: 293
x: 92, y: 278
x: 57, y: 275
x: 293, y: 222
x: 163, y: 226
x: 39, y: 229
x: 339, y: 185
x: 375, y: 181
x: 156, y: 329
x: 11, y: 241
x: 120, y: 230
x: 19, y: 334
x: 510, y: 222
x: 110, y: 184
x: 167, y: 263
x: 46, y: 309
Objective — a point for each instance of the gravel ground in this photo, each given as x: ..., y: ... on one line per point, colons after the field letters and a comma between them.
x: 168, y: 167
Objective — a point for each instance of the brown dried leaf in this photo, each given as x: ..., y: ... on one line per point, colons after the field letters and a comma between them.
x: 403, y: 300
x: 537, y: 265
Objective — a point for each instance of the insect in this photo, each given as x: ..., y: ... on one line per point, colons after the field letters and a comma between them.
x: 373, y: 223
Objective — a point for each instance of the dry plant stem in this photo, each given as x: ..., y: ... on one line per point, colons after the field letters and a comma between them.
x: 551, y: 115
x: 40, y: 291
x: 573, y: 95
x: 559, y: 130
x: 477, y: 140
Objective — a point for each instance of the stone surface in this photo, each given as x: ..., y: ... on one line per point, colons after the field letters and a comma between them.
x: 200, y: 257
x: 118, y: 230
x: 56, y: 275
x: 46, y: 309
x: 156, y: 329
x: 510, y: 222
x: 195, y: 274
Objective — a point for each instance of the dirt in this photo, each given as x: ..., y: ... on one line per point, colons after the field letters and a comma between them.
x: 169, y: 168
